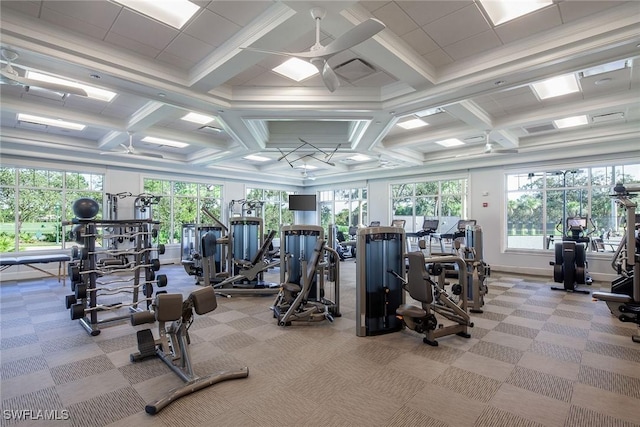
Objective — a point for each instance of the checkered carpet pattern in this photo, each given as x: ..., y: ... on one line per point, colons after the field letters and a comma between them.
x: 536, y: 357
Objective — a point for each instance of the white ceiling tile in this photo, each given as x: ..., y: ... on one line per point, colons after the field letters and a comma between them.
x: 420, y: 41
x: 211, y: 28
x: 424, y: 12
x: 378, y: 79
x: 611, y: 82
x: 143, y: 30
x: 175, y: 61
x: 395, y: 19
x: 245, y: 75
x: 239, y: 12
x: 73, y: 24
x: 271, y: 79
x: 459, y: 25
x: 519, y: 102
x: 98, y: 13
x: 373, y: 4
x: 473, y: 45
x: 530, y: 24
x: 438, y: 58
x: 31, y: 8
x: 572, y: 10
x: 190, y: 48
x: 133, y: 45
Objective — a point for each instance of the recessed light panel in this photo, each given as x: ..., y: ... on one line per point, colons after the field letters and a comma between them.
x: 412, y: 124
x: 359, y: 158
x: 167, y: 142
x: 257, y: 158
x: 175, y: 12
x: 556, y: 86
x: 571, y: 122
x: 92, y: 92
x: 200, y: 119
x: 451, y: 142
x: 501, y: 11
x: 50, y: 122
x: 296, y: 69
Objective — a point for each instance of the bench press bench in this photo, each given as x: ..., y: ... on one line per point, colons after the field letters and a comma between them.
x: 30, y: 260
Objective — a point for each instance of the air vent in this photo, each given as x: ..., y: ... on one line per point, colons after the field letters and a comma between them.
x: 472, y: 139
x: 33, y: 126
x: 607, y: 117
x: 210, y: 129
x: 354, y: 69
x: 540, y: 128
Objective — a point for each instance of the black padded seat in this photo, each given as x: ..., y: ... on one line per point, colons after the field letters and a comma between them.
x: 410, y: 311
x: 292, y: 287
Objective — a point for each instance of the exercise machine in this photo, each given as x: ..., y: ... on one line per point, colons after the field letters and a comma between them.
x: 570, y: 264
x: 433, y: 298
x: 379, y: 294
x: 627, y: 307
x: 174, y: 317
x: 294, y: 302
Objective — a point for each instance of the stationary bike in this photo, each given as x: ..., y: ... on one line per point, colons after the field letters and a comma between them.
x: 570, y: 264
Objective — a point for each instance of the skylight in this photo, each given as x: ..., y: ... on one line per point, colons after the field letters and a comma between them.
x: 92, y: 92
x: 174, y: 12
x: 257, y: 158
x: 50, y: 122
x: 167, y: 142
x: 296, y: 69
x: 200, y: 119
x: 556, y: 86
x: 359, y: 158
x: 571, y: 122
x: 451, y: 142
x: 501, y: 11
x: 412, y: 124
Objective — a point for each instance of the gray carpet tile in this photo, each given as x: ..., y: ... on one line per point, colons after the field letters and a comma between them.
x: 612, y: 329
x: 408, y: 417
x: 118, y: 343
x: 246, y: 323
x: 585, y: 417
x: 499, y: 288
x: 83, y: 368
x: 610, y: 381
x: 573, y: 314
x: 501, y: 303
x: 106, y: 408
x: 541, y: 383
x: 18, y: 341
x: 521, y: 331
x: 530, y: 314
x: 541, y: 303
x: 571, y: 331
x: 491, y: 315
x: 380, y: 354
x: 23, y: 367
x: 559, y: 352
x: 616, y: 351
x: 497, y: 351
x: 201, y: 322
x: 517, y: 292
x: 467, y: 383
x: 67, y: 342
x: 12, y: 323
x: 442, y: 353
x: 143, y: 370
x: 494, y: 417
x: 40, y: 400
x: 527, y: 286
x: 578, y: 303
x: 478, y: 333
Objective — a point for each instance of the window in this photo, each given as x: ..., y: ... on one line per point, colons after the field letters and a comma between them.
x: 181, y: 203
x: 275, y: 211
x: 444, y: 200
x: 34, y: 202
x: 344, y: 208
x: 539, y: 203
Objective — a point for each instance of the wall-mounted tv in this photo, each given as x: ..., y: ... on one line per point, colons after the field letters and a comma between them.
x: 302, y: 202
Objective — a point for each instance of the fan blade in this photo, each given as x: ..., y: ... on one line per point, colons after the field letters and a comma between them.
x: 329, y: 77
x: 353, y: 37
x: 273, y: 52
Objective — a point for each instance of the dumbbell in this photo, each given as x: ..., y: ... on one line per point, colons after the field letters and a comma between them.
x: 78, y: 310
x: 84, y: 253
x: 81, y: 290
x: 76, y: 275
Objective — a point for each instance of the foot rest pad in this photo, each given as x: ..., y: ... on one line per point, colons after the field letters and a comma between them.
x: 146, y: 343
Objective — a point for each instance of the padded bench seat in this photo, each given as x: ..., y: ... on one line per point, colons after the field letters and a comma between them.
x: 30, y: 260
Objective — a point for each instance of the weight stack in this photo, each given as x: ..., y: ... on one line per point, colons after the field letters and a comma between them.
x: 378, y: 292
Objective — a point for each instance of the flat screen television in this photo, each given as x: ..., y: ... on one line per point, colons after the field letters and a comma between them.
x: 302, y: 202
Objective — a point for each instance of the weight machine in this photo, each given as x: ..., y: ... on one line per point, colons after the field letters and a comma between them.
x: 570, y: 264
x: 627, y: 307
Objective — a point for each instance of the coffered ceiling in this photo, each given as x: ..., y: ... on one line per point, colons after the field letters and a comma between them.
x: 443, y: 61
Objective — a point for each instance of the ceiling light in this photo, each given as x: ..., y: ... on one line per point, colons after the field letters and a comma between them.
x: 200, y: 119
x: 429, y: 112
x: 556, y: 86
x: 167, y: 142
x: 501, y: 11
x: 257, y: 158
x: 359, y: 158
x: 412, y: 124
x: 571, y: 122
x: 175, y: 12
x: 306, y: 167
x: 451, y: 142
x: 605, y: 68
x: 296, y: 69
x: 50, y: 122
x: 92, y: 92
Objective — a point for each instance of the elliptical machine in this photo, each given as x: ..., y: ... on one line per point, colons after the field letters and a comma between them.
x: 570, y: 264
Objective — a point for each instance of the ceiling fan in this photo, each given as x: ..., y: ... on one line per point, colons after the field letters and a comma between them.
x: 305, y: 173
x: 488, y: 147
x: 328, y: 155
x: 318, y: 55
x: 9, y: 76
x: 131, y: 151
